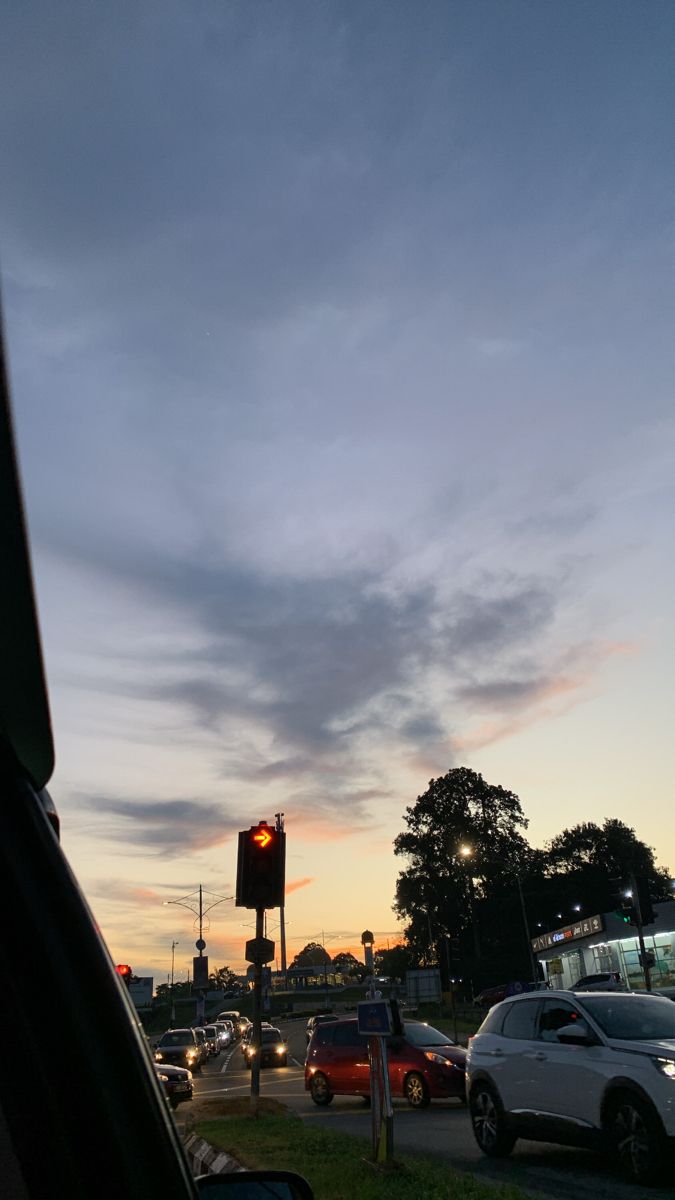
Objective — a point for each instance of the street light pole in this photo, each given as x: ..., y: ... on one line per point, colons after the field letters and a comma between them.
x: 173, y: 1002
x: 199, y: 912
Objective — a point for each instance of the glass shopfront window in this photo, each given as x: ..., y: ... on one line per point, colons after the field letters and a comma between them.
x: 661, y: 946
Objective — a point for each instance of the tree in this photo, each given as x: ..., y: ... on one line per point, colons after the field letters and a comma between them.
x: 312, y: 955
x: 223, y: 977
x: 395, y: 962
x: 347, y: 963
x: 440, y: 890
x: 581, y: 861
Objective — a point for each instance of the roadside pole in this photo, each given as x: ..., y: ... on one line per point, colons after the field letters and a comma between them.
x: 644, y: 961
x: 257, y: 1011
x: 375, y: 1021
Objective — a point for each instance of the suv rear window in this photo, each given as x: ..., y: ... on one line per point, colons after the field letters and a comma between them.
x: 323, y: 1034
x: 519, y: 1020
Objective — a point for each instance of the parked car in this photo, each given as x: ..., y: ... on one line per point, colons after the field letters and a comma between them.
x: 180, y: 1048
x: 318, y: 1019
x: 273, y: 1049
x: 424, y: 1064
x: 587, y: 1069
x: 176, y: 1083
x: 606, y: 981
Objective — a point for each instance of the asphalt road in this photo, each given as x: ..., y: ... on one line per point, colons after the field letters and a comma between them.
x: 442, y: 1131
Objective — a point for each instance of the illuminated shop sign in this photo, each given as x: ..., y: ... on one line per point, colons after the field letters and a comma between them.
x: 569, y: 933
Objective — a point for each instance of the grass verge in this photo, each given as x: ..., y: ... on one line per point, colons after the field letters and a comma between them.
x: 336, y: 1165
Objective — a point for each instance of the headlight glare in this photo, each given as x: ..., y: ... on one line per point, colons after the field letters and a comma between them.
x: 666, y: 1066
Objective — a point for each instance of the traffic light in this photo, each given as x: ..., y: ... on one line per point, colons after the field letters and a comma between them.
x: 261, y: 867
x: 622, y: 899
x: 454, y: 955
x: 646, y: 911
x: 124, y: 970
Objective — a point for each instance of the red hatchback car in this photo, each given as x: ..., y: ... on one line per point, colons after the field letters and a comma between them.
x: 424, y: 1064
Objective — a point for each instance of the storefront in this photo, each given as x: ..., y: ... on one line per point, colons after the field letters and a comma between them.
x: 602, y: 943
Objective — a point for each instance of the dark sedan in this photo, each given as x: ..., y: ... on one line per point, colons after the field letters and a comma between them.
x: 179, y: 1048
x: 176, y: 1082
x: 273, y: 1050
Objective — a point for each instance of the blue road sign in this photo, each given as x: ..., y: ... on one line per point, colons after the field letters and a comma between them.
x: 374, y: 1017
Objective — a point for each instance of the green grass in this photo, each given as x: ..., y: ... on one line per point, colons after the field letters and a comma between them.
x: 339, y: 1166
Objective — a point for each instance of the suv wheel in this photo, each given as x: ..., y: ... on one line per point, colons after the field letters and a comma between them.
x: 416, y: 1091
x: 319, y: 1090
x: 636, y: 1138
x: 489, y: 1122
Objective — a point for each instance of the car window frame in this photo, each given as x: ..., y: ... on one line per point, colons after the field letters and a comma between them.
x: 524, y: 1004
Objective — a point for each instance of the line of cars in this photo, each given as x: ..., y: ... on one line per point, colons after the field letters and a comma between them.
x: 181, y: 1052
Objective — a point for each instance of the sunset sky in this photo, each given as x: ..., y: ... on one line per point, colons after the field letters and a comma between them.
x: 341, y: 342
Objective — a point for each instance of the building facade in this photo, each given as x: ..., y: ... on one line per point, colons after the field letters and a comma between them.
x: 603, y: 942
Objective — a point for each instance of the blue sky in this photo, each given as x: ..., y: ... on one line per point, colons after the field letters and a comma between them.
x: 341, y: 345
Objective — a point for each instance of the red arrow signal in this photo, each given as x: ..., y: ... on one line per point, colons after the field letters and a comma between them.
x: 264, y: 837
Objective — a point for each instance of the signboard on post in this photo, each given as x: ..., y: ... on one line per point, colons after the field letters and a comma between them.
x: 260, y: 950
x: 374, y: 1018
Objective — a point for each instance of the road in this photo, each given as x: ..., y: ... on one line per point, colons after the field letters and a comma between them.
x: 442, y: 1131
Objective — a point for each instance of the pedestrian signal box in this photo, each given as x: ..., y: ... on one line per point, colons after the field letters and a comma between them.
x: 261, y: 867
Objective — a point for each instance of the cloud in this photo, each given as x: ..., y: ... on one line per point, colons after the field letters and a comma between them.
x: 526, y: 701
x: 162, y: 826
x: 295, y: 884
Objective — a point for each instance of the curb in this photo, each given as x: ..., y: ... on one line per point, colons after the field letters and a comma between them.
x: 206, y: 1160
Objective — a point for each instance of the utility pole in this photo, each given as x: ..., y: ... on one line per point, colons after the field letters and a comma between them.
x: 533, y: 961
x: 279, y: 817
x: 644, y: 961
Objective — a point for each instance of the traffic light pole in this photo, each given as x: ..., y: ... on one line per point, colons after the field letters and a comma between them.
x: 644, y: 961
x: 257, y: 1015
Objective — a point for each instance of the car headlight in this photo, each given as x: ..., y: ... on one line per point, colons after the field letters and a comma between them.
x: 437, y: 1058
x: 280, y: 1049
x: 158, y: 1055
x: 163, y: 1078
x: 666, y: 1066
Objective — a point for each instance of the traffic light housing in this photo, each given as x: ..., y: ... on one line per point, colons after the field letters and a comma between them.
x: 125, y: 972
x: 261, y: 867
x: 646, y: 911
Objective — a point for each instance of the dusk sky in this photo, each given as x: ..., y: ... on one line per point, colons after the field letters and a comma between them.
x: 342, y: 349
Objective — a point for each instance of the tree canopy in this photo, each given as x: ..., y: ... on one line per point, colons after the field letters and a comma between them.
x: 471, y: 871
x: 312, y: 955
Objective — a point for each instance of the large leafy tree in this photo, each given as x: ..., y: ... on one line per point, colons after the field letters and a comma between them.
x: 312, y: 955
x: 463, y: 844
x: 581, y: 861
x: 395, y: 961
x: 223, y: 977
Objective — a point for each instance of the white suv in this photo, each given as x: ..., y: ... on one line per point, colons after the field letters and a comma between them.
x: 591, y: 1069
